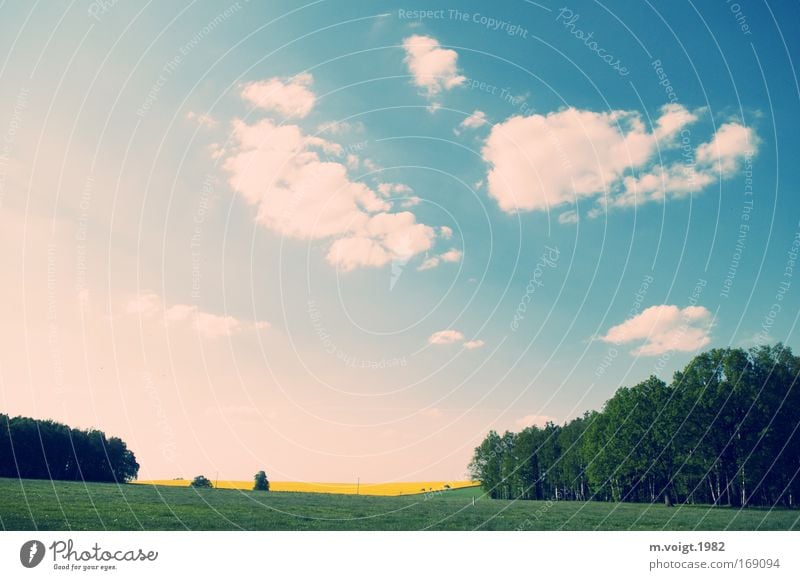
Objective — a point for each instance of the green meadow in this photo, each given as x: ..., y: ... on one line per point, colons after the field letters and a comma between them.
x: 58, y: 505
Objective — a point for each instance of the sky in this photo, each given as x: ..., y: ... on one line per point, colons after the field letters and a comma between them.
x: 345, y: 240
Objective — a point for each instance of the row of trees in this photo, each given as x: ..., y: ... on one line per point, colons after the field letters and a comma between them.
x: 725, y: 431
x: 35, y: 449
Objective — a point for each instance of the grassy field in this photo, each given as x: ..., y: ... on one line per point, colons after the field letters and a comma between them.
x: 45, y: 505
x: 384, y: 489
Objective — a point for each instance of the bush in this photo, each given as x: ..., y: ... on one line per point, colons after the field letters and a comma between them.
x: 261, y: 482
x: 201, y: 481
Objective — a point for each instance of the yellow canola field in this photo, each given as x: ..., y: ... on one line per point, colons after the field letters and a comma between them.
x: 387, y: 489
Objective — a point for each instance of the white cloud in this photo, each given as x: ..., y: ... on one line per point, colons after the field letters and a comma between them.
x: 204, y: 120
x: 148, y: 305
x: 664, y: 328
x: 389, y: 189
x: 451, y: 256
x: 475, y: 120
x: 339, y: 127
x: 385, y: 237
x: 445, y: 337
x: 730, y: 145
x: 568, y: 217
x: 541, y: 162
x: 300, y: 195
x: 445, y: 232
x: 429, y: 263
x: 473, y: 344
x: 433, y: 68
x: 410, y: 202
x: 290, y: 97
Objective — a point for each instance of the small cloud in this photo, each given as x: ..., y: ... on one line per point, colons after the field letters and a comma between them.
x: 664, y: 328
x: 410, y: 202
x: 568, y: 217
x: 388, y: 189
x: 445, y: 232
x: 429, y: 264
x: 451, y: 256
x: 445, y: 337
x: 339, y: 127
x: 290, y: 97
x: 473, y: 344
x: 150, y: 306
x: 475, y: 120
x: 205, y: 121
x: 435, y: 69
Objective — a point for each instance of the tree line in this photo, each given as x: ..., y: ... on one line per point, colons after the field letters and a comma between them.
x: 35, y: 449
x: 725, y: 431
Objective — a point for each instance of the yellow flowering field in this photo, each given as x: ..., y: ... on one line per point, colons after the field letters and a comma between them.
x: 387, y: 489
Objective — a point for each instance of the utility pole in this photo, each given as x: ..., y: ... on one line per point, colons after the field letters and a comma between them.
x: 358, y: 485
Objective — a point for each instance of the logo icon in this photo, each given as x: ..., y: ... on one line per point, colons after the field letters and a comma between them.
x: 31, y: 553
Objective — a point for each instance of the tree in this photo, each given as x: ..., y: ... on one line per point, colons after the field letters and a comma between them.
x: 201, y: 482
x: 36, y: 449
x: 261, y: 482
x: 724, y: 431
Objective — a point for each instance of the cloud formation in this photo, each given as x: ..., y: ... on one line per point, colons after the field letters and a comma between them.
x: 541, y: 162
x: 290, y: 97
x: 435, y: 69
x: 664, y: 328
x: 148, y: 305
x: 475, y: 120
x: 445, y: 337
x: 301, y: 190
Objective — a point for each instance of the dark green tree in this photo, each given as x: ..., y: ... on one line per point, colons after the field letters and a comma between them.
x: 261, y: 482
x: 201, y: 482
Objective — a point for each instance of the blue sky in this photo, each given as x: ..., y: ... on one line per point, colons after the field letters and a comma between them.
x: 216, y: 215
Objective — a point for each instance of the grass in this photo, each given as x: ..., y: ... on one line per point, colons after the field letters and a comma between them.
x: 384, y: 489
x: 45, y: 505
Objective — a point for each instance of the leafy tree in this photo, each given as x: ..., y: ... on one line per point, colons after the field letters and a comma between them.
x: 201, y: 482
x: 724, y: 431
x: 36, y: 449
x: 261, y: 482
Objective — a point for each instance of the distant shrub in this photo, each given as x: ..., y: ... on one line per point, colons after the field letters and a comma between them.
x: 261, y: 482
x: 201, y: 481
